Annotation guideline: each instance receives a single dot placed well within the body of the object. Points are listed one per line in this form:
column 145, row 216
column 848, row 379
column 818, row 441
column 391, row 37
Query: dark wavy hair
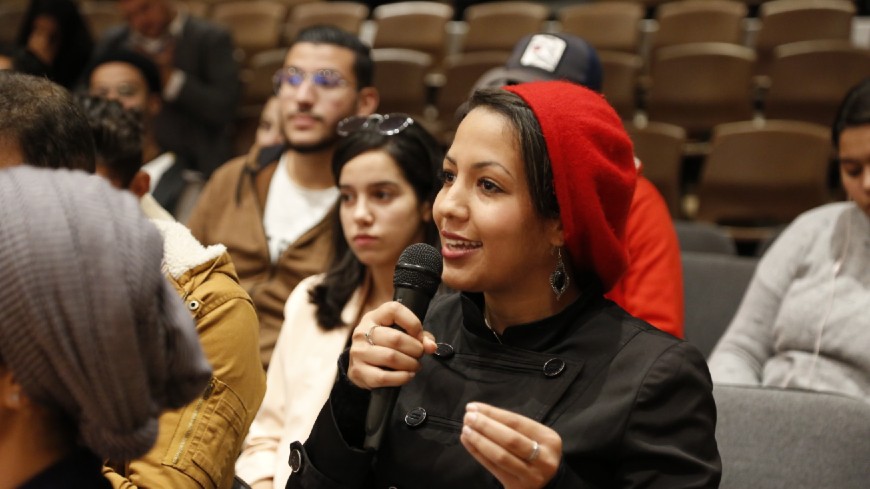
column 419, row 157
column 117, row 136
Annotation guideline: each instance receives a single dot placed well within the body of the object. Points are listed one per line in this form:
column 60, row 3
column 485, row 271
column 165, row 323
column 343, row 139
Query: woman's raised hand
column 520, row 452
column 381, row 356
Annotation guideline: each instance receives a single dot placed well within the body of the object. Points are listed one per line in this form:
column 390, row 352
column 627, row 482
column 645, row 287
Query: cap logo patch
column 544, row 52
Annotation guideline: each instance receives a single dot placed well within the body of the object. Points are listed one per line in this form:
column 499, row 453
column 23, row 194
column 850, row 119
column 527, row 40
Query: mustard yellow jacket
column 197, row 445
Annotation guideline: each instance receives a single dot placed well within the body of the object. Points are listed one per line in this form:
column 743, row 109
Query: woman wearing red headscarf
column 528, row 377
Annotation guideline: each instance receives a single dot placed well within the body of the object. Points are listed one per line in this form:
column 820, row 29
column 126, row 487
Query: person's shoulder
column 639, row 336
column 816, row 220
column 824, row 212
column 229, row 172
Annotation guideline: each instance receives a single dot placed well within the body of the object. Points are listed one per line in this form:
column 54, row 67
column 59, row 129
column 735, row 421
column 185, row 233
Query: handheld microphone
column 415, row 281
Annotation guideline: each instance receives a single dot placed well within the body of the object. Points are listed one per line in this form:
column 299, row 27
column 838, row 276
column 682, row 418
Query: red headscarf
column 593, row 173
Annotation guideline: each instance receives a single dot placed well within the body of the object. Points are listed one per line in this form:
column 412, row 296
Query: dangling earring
column 559, row 279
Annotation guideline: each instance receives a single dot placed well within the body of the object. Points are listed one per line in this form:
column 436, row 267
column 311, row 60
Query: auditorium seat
column 498, row 26
column 256, row 25
column 808, row 79
column 461, row 72
column 11, row 17
column 100, row 16
column 659, row 146
column 773, row 438
column 699, row 85
column 699, row 21
column 400, row 80
column 713, row 286
column 787, row 21
column 620, row 76
column 613, row 25
column 696, row 236
column 764, row 174
column 346, row 15
column 416, row 25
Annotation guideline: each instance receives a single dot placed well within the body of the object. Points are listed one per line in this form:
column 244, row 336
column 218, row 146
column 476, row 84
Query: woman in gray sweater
column 804, row 320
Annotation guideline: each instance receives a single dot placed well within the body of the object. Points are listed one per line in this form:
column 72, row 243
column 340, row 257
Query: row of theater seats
column 768, row 438
column 752, row 173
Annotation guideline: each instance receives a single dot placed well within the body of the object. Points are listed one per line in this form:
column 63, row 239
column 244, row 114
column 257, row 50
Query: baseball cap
column 539, row 57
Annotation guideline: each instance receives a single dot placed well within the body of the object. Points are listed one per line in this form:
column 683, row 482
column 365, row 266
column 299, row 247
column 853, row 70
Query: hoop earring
column 559, row 279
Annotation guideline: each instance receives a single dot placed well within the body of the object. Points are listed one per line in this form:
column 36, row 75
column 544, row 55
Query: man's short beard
column 324, row 144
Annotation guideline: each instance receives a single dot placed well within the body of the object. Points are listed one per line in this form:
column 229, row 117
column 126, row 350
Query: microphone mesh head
column 419, row 266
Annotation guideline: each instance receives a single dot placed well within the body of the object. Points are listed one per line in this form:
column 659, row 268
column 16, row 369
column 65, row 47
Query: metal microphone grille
column 419, row 267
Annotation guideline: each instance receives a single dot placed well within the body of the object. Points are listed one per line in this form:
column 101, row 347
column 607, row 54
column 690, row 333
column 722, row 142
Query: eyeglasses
column 387, row 124
column 294, row 77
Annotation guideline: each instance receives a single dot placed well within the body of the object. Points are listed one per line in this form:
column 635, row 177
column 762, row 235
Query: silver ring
column 536, row 450
column 369, row 335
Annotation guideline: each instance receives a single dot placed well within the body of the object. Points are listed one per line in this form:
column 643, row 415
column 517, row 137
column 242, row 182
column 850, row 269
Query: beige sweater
column 300, row 377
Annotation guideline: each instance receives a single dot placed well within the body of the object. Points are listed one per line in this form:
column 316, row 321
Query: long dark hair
column 419, row 157
column 854, row 110
column 75, row 44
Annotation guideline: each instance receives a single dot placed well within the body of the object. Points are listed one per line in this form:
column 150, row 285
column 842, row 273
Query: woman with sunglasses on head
column 535, row 380
column 386, row 171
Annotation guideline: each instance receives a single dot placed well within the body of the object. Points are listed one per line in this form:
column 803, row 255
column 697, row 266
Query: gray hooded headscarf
column 89, row 325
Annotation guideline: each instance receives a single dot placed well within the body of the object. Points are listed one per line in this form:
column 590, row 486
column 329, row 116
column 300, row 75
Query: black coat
column 633, row 405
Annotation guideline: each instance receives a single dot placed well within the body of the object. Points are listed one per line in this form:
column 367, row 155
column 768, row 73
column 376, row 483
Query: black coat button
column 444, row 351
column 554, row 367
column 415, row 417
column 295, row 460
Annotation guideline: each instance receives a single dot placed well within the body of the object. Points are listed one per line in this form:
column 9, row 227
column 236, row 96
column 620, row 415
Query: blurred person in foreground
column 528, row 377
column 94, row 342
column 803, row 322
column 185, row 455
column 652, row 287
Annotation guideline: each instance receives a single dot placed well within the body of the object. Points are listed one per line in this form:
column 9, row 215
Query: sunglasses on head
column 387, row 124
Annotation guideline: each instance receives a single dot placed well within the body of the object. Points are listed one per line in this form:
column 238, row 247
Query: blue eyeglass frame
column 324, row 78
column 385, row 124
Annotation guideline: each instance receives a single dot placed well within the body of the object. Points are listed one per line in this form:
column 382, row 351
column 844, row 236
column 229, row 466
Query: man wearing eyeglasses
column 271, row 208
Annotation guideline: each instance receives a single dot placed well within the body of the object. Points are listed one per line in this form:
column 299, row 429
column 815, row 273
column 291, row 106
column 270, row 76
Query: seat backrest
column 417, row 25
column 772, row 438
column 659, row 146
column 11, row 17
column 808, row 79
column 764, row 173
column 699, row 21
column 100, row 16
column 612, row 25
column 786, row 21
column 257, row 83
column 400, row 79
column 349, row 16
column 500, row 25
column 256, row 25
column 699, row 85
column 461, row 73
column 713, row 286
column 695, row 236
column 620, row 74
